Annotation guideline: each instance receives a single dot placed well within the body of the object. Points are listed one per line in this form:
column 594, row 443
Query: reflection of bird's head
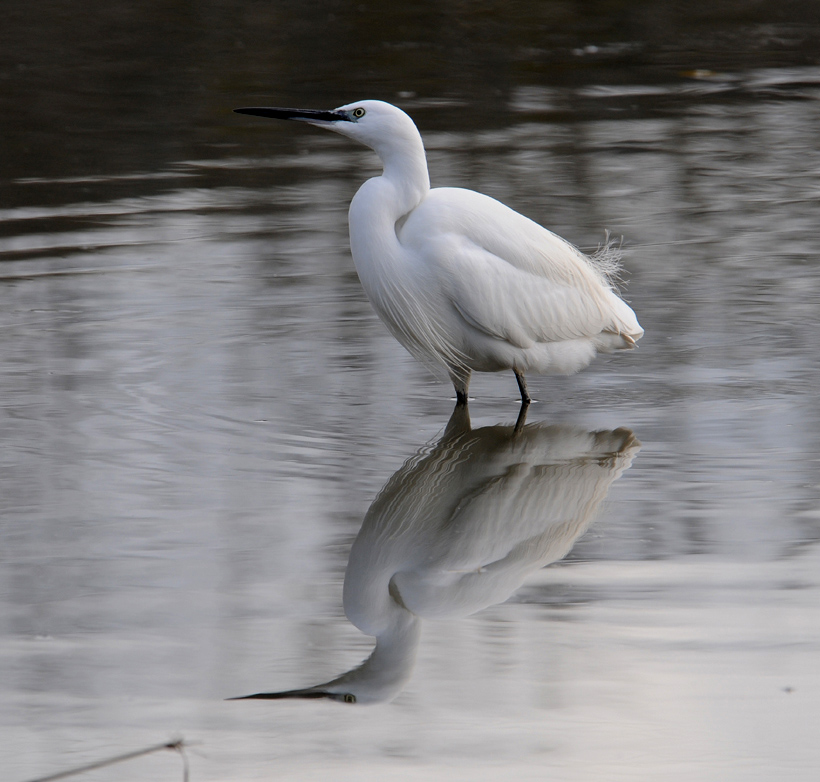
column 320, row 691
column 380, row 678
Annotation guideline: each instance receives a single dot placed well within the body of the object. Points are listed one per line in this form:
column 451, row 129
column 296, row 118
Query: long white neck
column 383, row 675
column 405, row 168
column 376, row 608
column 381, row 202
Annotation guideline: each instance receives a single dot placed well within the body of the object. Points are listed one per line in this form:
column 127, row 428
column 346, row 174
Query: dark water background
column 198, row 406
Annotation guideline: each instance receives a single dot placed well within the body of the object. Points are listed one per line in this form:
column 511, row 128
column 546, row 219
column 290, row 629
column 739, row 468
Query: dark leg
column 459, row 422
column 522, row 417
column 522, row 387
column 461, row 382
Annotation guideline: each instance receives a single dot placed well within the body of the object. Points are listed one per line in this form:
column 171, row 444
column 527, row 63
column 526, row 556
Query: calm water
column 199, row 407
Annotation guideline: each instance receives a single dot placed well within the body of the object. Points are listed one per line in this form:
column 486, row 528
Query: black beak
column 275, row 696
column 308, row 692
column 308, row 115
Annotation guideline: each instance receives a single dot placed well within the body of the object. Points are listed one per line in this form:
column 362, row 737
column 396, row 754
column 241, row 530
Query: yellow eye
column 350, row 697
column 358, row 113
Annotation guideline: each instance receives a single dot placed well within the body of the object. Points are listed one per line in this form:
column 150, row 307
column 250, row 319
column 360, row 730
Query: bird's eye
column 358, row 114
column 350, row 697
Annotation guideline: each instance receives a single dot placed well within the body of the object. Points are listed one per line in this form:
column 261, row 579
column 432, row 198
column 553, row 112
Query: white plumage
column 462, row 281
column 460, row 527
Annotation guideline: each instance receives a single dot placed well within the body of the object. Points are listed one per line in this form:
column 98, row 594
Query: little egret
column 462, row 281
column 460, row 527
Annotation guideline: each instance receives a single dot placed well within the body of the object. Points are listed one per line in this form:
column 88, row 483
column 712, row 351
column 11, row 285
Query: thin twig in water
column 178, row 745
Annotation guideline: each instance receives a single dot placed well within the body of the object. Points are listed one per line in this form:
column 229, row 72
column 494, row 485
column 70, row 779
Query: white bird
column 459, row 527
column 462, row 281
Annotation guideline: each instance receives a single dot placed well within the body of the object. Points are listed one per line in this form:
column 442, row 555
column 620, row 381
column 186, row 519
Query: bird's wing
column 509, row 277
column 510, row 304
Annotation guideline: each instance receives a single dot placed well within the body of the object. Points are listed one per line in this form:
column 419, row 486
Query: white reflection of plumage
column 459, row 527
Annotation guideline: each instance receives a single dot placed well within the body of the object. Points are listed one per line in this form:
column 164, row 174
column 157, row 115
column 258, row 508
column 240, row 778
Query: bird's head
column 374, row 123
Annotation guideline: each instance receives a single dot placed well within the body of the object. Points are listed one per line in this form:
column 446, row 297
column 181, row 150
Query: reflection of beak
column 308, row 692
column 306, row 115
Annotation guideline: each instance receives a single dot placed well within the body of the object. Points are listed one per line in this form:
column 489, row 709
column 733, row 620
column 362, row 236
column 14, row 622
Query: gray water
column 199, row 406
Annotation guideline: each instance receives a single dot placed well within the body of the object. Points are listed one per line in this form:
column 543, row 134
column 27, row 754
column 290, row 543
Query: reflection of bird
column 462, row 281
column 458, row 528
